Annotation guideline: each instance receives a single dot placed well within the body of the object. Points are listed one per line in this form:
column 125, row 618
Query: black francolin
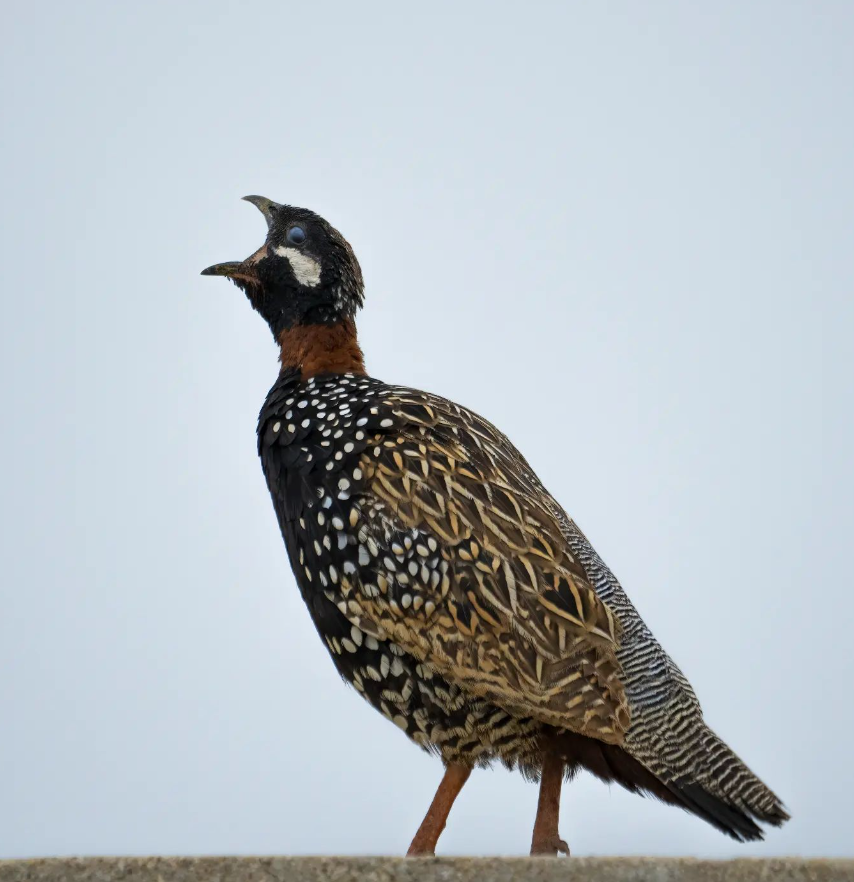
column 453, row 592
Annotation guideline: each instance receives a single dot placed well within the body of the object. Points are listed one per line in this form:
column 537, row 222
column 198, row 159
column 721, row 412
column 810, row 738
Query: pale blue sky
column 621, row 231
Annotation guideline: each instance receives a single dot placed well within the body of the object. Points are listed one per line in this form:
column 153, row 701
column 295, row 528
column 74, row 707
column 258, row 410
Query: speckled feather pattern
column 459, row 599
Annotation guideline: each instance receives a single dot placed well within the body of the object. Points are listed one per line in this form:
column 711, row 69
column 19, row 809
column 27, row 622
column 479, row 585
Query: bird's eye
column 296, row 235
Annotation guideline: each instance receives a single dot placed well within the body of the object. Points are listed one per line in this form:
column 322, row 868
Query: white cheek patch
column 306, row 269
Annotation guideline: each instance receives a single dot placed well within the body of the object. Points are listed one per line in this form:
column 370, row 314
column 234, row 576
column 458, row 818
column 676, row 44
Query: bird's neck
column 321, row 349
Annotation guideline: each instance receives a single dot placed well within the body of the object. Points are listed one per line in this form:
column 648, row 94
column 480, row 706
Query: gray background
column 622, row 231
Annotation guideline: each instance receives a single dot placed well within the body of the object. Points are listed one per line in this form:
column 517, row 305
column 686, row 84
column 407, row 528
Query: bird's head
column 305, row 273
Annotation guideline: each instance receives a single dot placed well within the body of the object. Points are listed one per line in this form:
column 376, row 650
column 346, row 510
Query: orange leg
column 546, row 839
column 434, row 821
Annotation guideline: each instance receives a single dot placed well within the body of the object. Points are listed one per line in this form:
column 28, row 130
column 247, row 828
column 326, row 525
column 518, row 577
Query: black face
column 305, row 273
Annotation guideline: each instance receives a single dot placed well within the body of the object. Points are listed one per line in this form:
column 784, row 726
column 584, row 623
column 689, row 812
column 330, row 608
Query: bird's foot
column 552, row 845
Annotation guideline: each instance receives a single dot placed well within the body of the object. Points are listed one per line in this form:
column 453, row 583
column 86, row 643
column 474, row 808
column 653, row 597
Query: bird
column 452, row 591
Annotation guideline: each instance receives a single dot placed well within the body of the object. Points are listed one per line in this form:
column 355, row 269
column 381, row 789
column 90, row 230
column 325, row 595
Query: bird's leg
column 546, row 839
column 434, row 821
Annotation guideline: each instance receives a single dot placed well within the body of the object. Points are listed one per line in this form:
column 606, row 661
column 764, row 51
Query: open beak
column 230, row 269
column 238, row 270
column 243, row 270
column 266, row 206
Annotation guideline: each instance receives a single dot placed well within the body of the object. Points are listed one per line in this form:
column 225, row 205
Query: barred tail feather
column 719, row 787
column 724, row 792
column 712, row 809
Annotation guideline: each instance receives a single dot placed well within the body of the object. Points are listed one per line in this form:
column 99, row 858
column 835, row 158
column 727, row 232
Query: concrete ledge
column 383, row 869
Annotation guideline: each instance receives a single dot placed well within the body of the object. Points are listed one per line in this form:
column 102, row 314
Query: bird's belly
column 434, row 713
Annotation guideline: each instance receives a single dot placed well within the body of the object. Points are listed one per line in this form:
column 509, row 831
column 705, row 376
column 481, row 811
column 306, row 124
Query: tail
column 713, row 783
column 716, row 785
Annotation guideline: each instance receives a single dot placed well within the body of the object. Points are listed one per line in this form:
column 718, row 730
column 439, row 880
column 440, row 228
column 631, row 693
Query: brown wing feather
column 472, row 575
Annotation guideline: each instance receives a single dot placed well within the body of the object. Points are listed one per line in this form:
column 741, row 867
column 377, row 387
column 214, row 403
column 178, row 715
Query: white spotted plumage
column 349, row 424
